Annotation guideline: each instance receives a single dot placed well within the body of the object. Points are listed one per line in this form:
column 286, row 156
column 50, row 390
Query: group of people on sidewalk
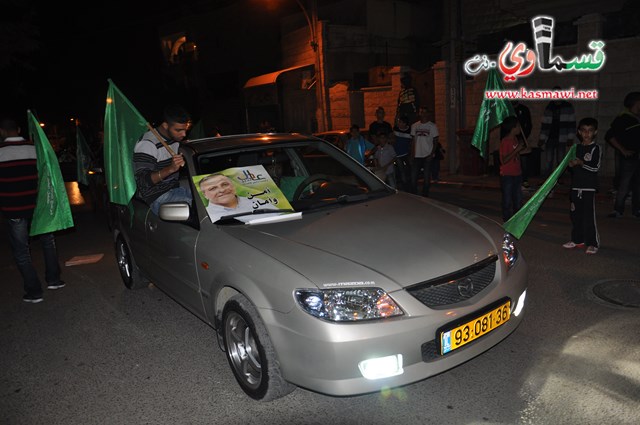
column 557, row 134
column 402, row 153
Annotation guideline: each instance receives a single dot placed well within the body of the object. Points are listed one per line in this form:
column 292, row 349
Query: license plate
column 474, row 328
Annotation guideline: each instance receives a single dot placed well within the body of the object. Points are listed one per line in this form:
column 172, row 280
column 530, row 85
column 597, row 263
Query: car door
column 171, row 253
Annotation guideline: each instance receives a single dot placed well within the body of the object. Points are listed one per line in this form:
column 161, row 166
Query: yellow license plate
column 475, row 328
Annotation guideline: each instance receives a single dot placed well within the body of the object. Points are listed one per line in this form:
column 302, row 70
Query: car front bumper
column 324, row 356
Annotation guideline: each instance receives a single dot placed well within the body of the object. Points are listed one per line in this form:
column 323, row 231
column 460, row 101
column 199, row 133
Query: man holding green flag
column 123, row 126
column 518, row 223
column 28, row 183
column 492, row 112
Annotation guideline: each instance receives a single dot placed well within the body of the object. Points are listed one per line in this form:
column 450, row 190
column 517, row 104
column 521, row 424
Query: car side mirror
column 175, row 211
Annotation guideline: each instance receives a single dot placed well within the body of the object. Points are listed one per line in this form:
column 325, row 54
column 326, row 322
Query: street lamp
column 312, row 25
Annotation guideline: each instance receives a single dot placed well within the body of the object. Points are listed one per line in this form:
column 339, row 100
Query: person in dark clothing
column 557, row 132
column 379, row 125
column 18, row 195
column 624, row 136
column 584, row 184
column 408, row 102
column 524, row 118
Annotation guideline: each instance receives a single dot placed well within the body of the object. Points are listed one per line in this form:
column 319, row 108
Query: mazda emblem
column 465, row 287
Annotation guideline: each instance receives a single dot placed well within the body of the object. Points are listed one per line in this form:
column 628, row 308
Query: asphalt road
column 96, row 353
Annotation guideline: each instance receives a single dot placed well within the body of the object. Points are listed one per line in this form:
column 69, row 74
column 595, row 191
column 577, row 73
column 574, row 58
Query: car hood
column 392, row 242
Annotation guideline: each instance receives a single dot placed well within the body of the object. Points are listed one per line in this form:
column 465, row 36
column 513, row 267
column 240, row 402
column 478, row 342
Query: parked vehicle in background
column 339, row 138
column 301, row 282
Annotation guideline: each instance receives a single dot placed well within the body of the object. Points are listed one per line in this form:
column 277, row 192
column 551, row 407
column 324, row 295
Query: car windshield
column 301, row 176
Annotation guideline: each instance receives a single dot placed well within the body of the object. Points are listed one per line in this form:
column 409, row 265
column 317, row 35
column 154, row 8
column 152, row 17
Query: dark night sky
column 77, row 48
column 63, row 53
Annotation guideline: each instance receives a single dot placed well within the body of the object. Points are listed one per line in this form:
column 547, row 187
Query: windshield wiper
column 342, row 199
column 232, row 217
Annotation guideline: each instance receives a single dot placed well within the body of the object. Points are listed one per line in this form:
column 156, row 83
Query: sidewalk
column 492, row 182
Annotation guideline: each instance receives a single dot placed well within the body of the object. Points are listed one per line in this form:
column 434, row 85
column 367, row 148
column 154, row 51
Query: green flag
column 53, row 211
column 520, row 220
column 83, row 158
column 123, row 126
column 492, row 112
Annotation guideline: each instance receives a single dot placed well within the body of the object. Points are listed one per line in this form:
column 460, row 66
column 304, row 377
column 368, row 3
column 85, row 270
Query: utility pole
column 312, row 21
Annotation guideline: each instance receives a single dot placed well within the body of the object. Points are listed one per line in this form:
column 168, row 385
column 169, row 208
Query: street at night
column 320, row 212
column 96, row 352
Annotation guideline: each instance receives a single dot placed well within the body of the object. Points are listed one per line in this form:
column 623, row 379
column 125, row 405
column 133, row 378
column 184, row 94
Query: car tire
column 250, row 352
column 129, row 272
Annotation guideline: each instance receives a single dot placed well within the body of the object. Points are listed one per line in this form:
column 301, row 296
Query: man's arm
column 612, row 135
column 436, row 140
column 506, row 157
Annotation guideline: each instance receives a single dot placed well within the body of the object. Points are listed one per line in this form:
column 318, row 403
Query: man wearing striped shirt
column 156, row 170
column 18, row 194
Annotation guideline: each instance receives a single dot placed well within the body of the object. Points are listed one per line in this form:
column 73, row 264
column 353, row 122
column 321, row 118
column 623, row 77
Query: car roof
column 344, row 131
column 212, row 144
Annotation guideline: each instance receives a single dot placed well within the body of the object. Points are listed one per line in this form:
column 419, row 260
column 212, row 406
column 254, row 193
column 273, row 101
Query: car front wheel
column 128, row 269
column 250, row 352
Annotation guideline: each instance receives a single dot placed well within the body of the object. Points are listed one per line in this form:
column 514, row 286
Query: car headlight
column 509, row 251
column 347, row 305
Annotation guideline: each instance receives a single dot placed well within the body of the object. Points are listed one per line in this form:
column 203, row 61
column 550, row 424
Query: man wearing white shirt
column 424, row 135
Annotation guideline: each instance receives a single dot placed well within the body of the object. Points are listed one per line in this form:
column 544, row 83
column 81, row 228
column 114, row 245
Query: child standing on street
column 385, row 156
column 510, row 170
column 584, row 184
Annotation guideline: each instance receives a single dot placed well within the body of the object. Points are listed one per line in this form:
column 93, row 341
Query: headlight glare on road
column 347, row 305
column 509, row 251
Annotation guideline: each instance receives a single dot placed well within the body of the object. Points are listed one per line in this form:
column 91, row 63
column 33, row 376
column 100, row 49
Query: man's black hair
column 507, row 125
column 631, row 99
column 354, row 127
column 588, row 121
column 175, row 114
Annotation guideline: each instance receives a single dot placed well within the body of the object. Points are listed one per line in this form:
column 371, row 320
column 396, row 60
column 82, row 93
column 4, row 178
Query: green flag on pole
column 53, row 211
column 517, row 224
column 492, row 112
column 83, row 158
column 123, row 126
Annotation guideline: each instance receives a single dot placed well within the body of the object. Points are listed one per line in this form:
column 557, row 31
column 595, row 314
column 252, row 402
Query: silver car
column 328, row 279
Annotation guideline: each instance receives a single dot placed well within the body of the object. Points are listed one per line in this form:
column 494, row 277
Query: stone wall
column 340, row 107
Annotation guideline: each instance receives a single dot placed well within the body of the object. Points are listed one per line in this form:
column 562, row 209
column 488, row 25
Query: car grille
column 429, row 351
column 457, row 286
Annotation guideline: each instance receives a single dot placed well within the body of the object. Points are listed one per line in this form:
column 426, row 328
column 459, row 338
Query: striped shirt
column 564, row 124
column 150, row 156
column 18, row 178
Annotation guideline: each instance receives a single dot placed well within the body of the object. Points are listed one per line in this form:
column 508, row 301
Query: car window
column 305, row 172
